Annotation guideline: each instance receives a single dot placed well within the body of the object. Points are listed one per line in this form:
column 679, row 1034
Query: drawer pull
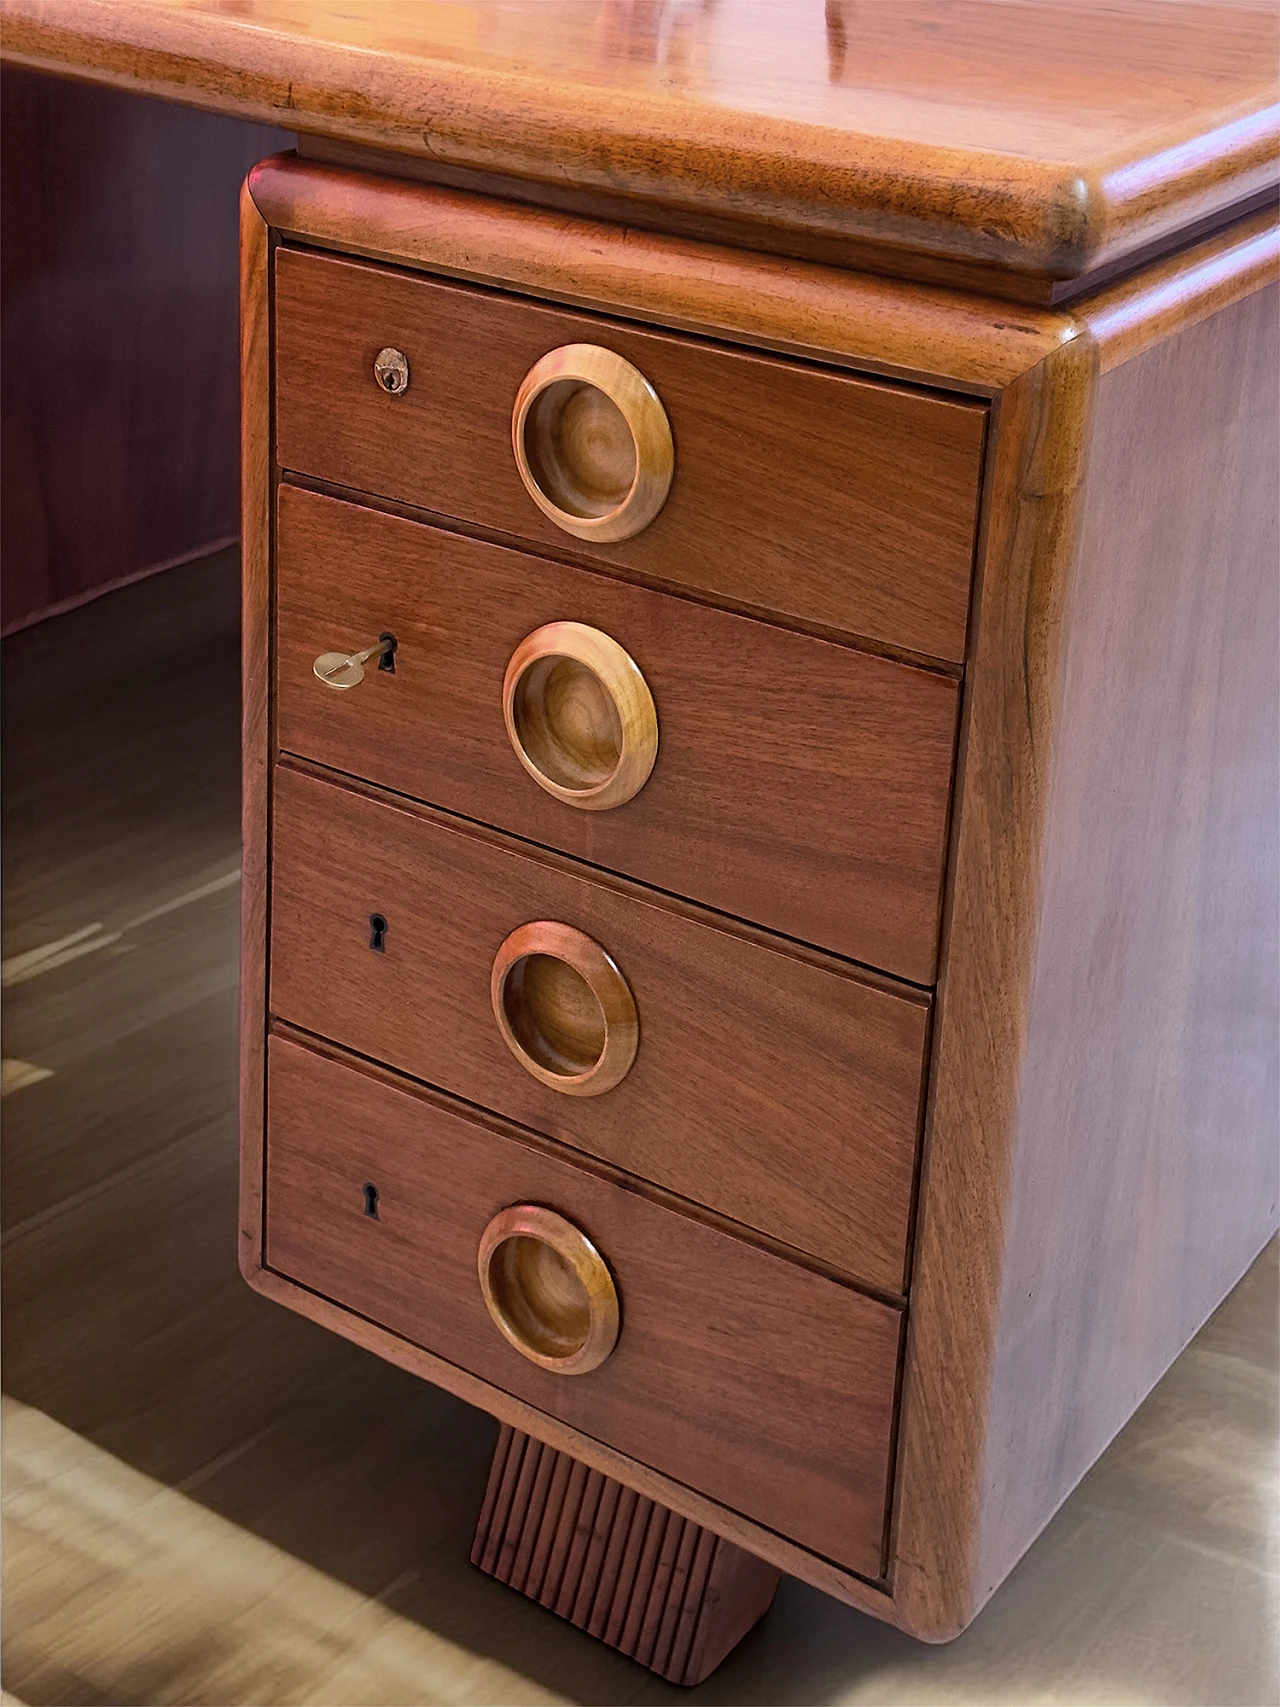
column 580, row 716
column 592, row 443
column 346, row 669
column 565, row 1011
column 548, row 1289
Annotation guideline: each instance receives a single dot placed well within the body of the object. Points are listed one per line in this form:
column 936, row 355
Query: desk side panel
column 1098, row 1158
column 1145, row 1171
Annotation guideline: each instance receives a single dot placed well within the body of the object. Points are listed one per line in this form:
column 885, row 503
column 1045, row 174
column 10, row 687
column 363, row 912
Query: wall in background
column 118, row 337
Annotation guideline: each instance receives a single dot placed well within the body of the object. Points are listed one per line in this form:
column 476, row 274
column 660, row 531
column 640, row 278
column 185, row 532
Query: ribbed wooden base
column 655, row 1586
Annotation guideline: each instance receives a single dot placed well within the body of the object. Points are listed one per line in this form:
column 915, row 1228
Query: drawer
column 841, row 502
column 756, row 1382
column 798, row 783
column 775, row 1088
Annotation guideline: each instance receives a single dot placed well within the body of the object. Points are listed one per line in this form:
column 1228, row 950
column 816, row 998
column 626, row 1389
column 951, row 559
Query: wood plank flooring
column 207, row 1500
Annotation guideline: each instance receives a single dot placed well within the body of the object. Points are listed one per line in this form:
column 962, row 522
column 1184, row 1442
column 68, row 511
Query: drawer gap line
column 330, row 1049
column 811, row 953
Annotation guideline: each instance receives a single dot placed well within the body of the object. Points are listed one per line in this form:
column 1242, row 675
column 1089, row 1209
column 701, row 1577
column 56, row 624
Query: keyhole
column 371, row 1200
column 377, row 933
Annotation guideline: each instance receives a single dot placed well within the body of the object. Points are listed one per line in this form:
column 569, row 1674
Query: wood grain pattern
column 798, row 783
column 662, row 1590
column 864, row 321
column 847, row 253
column 1099, row 1158
column 937, row 337
column 766, row 1386
column 988, row 955
column 1174, row 295
column 867, row 492
column 974, row 1483
column 124, row 1314
column 1155, row 998
column 1039, row 140
column 782, row 1092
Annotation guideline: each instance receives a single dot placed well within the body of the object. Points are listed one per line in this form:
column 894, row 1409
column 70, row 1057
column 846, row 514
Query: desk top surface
column 1051, row 138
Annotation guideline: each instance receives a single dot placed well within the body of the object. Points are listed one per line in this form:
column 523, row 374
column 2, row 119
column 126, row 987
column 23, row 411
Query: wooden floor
column 208, row 1500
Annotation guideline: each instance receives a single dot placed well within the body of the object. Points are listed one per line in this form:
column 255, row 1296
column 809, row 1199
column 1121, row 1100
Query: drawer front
column 798, row 783
column 781, row 1093
column 760, row 1384
column 838, row 501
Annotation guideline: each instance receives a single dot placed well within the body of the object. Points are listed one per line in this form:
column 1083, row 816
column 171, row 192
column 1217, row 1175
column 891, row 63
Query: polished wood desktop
column 1020, row 147
column 759, row 934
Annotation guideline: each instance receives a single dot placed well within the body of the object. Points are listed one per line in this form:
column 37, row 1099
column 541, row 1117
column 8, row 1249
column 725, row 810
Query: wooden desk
column 767, row 983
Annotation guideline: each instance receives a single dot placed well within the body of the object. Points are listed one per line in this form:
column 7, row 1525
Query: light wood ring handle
column 564, row 1009
column 548, row 1289
column 580, row 716
column 592, row 443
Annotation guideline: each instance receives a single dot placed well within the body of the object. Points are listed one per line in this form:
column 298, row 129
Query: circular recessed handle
column 580, row 716
column 592, row 442
column 548, row 1289
column 565, row 1011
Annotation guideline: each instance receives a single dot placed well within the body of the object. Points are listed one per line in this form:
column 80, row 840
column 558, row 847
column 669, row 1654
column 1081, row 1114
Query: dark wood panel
column 799, row 783
column 783, row 1093
column 830, row 499
column 119, row 336
column 761, row 1384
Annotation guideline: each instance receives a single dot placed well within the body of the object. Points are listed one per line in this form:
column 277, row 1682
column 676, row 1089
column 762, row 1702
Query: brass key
column 346, row 669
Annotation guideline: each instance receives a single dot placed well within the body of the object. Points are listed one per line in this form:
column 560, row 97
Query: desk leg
column 657, row 1587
